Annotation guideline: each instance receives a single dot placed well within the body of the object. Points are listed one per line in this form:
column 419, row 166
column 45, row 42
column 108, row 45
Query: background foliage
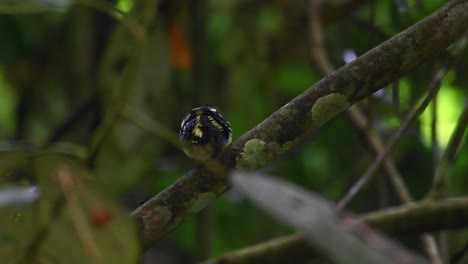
column 249, row 58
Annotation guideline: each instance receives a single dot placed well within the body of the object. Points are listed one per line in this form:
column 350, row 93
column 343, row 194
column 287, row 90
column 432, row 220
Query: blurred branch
column 198, row 10
column 413, row 218
column 150, row 125
column 73, row 119
column 145, row 12
column 420, row 217
column 201, row 51
column 318, row 54
column 307, row 112
column 68, row 183
column 204, row 233
column 292, row 249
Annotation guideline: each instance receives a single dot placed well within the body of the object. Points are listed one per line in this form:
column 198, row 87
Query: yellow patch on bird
column 196, row 130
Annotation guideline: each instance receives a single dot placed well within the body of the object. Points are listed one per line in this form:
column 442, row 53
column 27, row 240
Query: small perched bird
column 204, row 132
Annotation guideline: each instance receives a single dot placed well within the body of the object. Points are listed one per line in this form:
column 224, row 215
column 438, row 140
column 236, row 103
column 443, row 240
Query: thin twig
column 316, row 38
column 435, row 86
column 73, row 120
column 375, row 143
column 434, row 139
column 151, row 126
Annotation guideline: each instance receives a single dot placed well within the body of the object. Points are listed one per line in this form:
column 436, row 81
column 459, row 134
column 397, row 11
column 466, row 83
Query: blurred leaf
column 125, row 5
column 33, row 6
column 270, row 20
column 73, row 221
column 221, row 21
column 317, row 220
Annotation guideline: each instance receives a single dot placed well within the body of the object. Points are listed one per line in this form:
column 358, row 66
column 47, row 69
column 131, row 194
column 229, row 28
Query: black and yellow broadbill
column 204, row 132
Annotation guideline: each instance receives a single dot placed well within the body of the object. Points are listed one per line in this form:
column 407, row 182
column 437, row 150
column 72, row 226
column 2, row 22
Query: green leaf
column 73, row 221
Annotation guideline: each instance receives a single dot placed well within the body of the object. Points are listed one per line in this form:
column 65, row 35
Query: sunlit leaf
column 125, row 5
column 449, row 107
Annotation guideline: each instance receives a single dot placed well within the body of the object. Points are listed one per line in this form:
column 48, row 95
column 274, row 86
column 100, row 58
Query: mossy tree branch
column 307, row 112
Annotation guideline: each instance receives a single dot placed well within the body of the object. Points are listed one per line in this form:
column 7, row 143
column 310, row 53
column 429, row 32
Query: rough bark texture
column 307, row 112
